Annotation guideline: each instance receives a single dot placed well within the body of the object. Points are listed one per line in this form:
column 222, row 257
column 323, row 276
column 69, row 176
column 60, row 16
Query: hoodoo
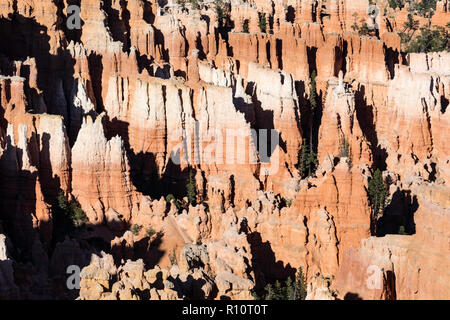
column 224, row 149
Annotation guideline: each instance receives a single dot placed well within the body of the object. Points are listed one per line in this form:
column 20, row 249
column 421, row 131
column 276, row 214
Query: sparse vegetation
column 173, row 257
column 362, row 30
column 286, row 290
column 262, row 23
column 150, row 232
column 222, row 11
column 245, row 27
column 402, row 231
column 300, row 285
column 288, row 202
column 394, row 4
column 135, row 229
column 313, row 105
column 430, row 39
column 182, row 3
column 191, row 188
column 409, row 29
column 307, row 161
column 68, row 217
column 313, row 92
column 307, row 158
column 72, row 210
column 345, row 151
column 421, row 7
column 170, row 197
column 195, row 4
column 378, row 193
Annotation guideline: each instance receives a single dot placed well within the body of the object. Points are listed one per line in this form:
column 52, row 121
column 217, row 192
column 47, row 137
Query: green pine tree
column 307, row 161
column 345, row 151
column 300, row 285
column 191, row 189
column 311, row 163
column 313, row 105
column 262, row 23
column 290, row 290
column 378, row 194
column 72, row 210
column 429, row 39
column 286, row 290
column 245, row 27
column 195, row 4
column 171, row 197
column 310, row 157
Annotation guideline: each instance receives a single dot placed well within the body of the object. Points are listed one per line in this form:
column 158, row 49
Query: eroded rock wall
column 145, row 100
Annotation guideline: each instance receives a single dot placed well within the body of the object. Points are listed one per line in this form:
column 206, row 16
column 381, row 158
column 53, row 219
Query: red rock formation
column 100, row 176
column 144, row 98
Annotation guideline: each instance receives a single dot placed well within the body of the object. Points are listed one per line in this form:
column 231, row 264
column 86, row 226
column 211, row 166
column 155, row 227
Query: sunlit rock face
column 219, row 149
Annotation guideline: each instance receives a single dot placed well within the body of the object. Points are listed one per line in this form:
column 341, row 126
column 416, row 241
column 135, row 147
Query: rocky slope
column 119, row 114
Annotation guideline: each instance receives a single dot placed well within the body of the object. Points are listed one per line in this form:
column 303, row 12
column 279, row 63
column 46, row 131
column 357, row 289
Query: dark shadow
column 290, row 14
column 148, row 249
column 268, row 55
column 232, row 191
column 391, row 59
column 264, row 121
column 22, row 37
column 310, row 120
column 159, row 44
column 312, row 54
column 271, row 22
column 19, row 192
column 71, row 35
column 199, row 46
column 246, row 26
column 444, row 104
column 365, row 116
column 324, row 13
column 95, row 72
column 266, row 268
column 50, row 184
column 352, row 296
column 390, row 287
column 191, row 289
column 116, row 23
column 18, row 201
column 125, row 17
column 431, row 169
column 301, row 108
column 314, row 11
column 340, row 59
column 149, row 17
column 398, row 217
column 279, row 50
